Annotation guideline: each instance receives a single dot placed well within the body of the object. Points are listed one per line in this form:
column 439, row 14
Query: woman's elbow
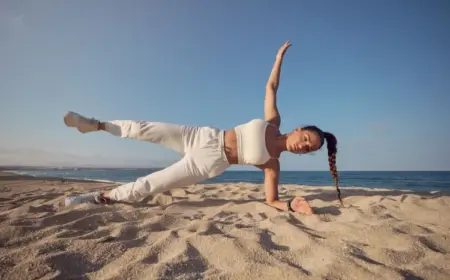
column 271, row 87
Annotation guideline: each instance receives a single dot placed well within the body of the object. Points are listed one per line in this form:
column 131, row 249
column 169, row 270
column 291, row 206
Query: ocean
column 404, row 180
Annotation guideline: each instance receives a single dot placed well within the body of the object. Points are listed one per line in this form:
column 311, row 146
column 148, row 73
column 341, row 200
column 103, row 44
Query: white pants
column 203, row 156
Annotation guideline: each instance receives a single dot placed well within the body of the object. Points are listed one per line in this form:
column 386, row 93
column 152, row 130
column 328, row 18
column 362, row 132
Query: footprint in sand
column 436, row 243
column 259, row 217
column 98, row 234
column 184, row 261
column 408, row 228
column 5, row 189
column 42, row 209
column 51, row 247
column 408, row 257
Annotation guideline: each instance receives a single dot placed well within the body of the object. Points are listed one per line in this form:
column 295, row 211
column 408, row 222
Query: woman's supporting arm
column 271, row 181
column 271, row 178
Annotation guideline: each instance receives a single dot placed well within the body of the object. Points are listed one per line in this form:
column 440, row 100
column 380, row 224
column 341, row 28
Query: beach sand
column 220, row 231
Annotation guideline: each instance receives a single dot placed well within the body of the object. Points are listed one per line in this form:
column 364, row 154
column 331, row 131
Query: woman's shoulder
column 259, row 121
column 269, row 127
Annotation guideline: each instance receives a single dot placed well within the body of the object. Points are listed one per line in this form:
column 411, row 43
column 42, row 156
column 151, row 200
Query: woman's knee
column 180, row 174
column 210, row 162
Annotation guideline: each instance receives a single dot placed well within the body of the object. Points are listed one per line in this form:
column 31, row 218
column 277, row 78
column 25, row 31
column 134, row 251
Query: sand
column 220, row 231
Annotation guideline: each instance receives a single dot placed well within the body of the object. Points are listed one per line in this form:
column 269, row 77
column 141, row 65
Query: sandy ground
column 221, row 231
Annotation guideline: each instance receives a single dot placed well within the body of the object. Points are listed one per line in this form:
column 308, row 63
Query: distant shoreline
column 11, row 173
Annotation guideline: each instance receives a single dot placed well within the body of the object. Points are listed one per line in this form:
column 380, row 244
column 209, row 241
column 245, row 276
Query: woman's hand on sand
column 283, row 49
column 300, row 205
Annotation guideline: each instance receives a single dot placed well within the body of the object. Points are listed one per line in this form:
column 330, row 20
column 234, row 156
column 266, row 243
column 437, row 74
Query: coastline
column 220, row 231
column 53, row 178
column 419, row 182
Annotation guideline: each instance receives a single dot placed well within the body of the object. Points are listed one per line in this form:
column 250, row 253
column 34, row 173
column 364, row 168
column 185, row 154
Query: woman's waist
column 230, row 146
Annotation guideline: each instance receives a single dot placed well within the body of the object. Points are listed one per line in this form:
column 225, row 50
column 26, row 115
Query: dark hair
column 332, row 151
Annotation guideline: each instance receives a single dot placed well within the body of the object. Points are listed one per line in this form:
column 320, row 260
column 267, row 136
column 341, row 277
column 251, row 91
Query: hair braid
column 332, row 151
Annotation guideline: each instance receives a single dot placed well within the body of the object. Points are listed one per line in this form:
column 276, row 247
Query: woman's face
column 302, row 141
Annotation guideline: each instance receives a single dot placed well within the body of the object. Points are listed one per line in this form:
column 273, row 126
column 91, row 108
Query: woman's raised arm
column 271, row 113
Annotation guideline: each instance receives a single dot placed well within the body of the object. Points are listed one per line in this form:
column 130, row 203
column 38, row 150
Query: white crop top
column 251, row 142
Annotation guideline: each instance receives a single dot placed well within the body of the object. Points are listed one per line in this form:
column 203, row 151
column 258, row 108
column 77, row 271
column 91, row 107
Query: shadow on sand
column 331, row 195
column 325, row 195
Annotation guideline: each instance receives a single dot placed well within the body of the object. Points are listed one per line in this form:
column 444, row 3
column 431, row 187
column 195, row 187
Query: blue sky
column 375, row 73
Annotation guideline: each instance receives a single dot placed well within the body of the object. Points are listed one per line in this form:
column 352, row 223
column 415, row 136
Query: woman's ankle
column 106, row 195
column 101, row 126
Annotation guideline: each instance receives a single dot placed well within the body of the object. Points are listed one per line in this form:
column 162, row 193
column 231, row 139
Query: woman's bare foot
column 93, row 197
column 80, row 122
column 102, row 198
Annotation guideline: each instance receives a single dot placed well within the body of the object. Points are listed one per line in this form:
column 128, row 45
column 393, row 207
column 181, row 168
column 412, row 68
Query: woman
column 208, row 152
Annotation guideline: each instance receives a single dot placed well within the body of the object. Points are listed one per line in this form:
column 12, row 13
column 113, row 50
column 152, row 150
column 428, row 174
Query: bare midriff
column 230, row 146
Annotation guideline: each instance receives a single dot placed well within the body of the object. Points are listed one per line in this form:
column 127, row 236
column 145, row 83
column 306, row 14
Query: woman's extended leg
column 203, row 148
column 187, row 171
column 173, row 136
column 184, row 172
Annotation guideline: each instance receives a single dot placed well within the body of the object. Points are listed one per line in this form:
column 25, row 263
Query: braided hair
column 332, row 151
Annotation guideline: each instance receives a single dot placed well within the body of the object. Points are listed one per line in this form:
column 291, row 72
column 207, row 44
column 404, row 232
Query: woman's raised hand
column 283, row 49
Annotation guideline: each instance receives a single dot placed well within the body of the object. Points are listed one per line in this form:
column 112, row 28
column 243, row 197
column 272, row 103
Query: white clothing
column 251, row 142
column 202, row 147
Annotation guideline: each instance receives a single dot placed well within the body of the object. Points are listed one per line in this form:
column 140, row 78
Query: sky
column 374, row 73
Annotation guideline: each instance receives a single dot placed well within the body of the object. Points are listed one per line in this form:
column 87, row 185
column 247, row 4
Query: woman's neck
column 281, row 143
